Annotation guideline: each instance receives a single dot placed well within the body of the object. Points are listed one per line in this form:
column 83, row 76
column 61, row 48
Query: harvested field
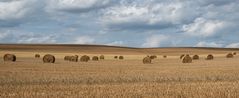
column 170, row 78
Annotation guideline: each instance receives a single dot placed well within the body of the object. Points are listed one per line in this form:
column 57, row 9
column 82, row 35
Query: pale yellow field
column 165, row 78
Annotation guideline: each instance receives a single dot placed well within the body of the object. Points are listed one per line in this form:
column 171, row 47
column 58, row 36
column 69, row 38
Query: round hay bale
column 116, row 57
column 234, row 53
column 88, row 57
column 77, row 56
column 147, row 60
column 70, row 58
column 95, row 58
column 67, row 58
column 85, row 58
column 153, row 57
column 181, row 57
column 230, row 55
column 187, row 59
column 37, row 56
column 195, row 57
column 210, row 57
column 74, row 58
column 102, row 57
column 9, row 58
column 121, row 57
column 48, row 58
column 165, row 56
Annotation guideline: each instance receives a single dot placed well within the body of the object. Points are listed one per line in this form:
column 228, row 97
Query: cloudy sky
column 134, row 23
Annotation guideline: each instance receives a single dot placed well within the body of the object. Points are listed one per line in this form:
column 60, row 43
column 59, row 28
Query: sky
column 132, row 23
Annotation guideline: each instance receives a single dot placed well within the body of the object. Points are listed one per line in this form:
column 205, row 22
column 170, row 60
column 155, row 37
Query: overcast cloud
column 134, row 23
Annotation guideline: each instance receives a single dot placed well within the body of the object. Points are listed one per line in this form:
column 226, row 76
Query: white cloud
column 203, row 27
column 35, row 38
column 3, row 35
column 233, row 45
column 116, row 43
column 206, row 20
column 149, row 14
column 45, row 39
column 10, row 36
column 16, row 9
column 76, row 5
column 208, row 44
column 125, row 14
column 84, row 40
column 154, row 41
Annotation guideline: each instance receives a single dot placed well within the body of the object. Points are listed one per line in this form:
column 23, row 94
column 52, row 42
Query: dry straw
column 102, row 57
column 153, row 57
column 165, row 56
column 147, row 60
column 121, row 57
column 67, row 58
column 9, row 58
column 85, row 58
column 234, row 53
column 181, row 57
column 187, row 59
column 210, row 57
column 48, row 58
column 229, row 55
column 74, row 58
column 95, row 58
column 195, row 57
column 37, row 56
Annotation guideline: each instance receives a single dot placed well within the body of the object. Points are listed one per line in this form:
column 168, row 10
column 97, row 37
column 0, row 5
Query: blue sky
column 134, row 23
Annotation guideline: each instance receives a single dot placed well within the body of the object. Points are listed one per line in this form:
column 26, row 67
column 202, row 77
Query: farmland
column 165, row 77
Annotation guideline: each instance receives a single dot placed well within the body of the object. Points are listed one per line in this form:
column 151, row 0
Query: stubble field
column 165, row 77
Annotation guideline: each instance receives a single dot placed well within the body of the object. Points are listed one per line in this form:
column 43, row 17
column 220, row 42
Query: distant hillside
column 109, row 49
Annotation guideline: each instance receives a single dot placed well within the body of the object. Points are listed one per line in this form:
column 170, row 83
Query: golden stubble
column 165, row 77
